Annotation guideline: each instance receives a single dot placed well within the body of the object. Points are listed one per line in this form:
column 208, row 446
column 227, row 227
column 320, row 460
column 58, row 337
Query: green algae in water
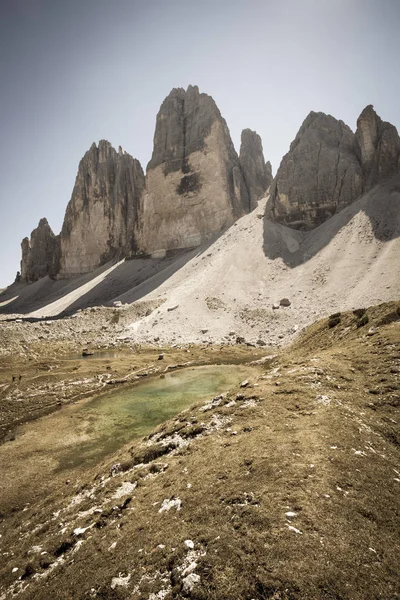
column 109, row 421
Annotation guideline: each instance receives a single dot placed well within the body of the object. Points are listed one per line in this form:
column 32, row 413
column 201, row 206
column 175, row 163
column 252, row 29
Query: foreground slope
column 285, row 489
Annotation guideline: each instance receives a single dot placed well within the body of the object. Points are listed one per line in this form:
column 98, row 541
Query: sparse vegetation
column 359, row 312
column 334, row 320
column 293, row 496
column 363, row 320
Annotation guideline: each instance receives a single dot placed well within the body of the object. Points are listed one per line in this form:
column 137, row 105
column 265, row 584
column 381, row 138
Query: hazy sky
column 76, row 71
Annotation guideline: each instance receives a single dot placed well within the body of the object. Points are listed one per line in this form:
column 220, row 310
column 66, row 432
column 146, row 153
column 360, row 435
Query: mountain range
column 211, row 233
column 196, row 185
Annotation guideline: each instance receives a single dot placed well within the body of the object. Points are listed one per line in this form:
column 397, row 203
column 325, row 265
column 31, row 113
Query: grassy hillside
column 286, row 488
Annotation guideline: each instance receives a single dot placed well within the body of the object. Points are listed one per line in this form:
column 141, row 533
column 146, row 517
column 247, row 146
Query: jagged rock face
column 328, row 167
column 257, row 174
column 40, row 253
column 319, row 174
column 378, row 146
column 194, row 183
column 102, row 214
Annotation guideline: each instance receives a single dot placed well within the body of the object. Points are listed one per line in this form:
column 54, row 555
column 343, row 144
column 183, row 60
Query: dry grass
column 316, row 436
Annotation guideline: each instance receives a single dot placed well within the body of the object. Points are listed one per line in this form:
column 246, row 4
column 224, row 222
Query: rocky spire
column 378, row 147
column 328, row 167
column 194, row 186
column 102, row 214
column 40, row 253
column 320, row 174
column 257, row 173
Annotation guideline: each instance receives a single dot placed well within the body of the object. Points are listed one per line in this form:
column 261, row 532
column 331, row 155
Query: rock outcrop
column 194, row 182
column 319, row 174
column 102, row 215
column 378, row 146
column 40, row 253
column 328, row 167
column 196, row 185
column 257, row 174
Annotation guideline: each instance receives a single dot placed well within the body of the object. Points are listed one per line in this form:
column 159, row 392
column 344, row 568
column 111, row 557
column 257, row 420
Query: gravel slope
column 227, row 288
column 352, row 260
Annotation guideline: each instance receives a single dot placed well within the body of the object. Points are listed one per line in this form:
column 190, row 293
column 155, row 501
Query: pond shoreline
column 49, row 383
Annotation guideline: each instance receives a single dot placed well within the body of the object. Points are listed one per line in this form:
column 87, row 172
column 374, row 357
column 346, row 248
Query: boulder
column 285, row 302
column 171, row 308
column 87, row 352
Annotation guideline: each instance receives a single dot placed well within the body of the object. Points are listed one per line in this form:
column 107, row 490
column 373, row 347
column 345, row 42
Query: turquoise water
column 104, row 424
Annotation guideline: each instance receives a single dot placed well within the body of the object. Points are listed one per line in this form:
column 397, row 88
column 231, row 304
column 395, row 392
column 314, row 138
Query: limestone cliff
column 194, row 182
column 318, row 175
column 40, row 253
column 328, row 167
column 378, row 146
column 102, row 214
column 256, row 172
column 196, row 185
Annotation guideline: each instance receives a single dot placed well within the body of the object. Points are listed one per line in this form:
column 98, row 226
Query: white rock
column 80, row 530
column 120, row 581
column 294, row 529
column 170, row 503
column 190, row 581
column 126, row 488
column 189, row 544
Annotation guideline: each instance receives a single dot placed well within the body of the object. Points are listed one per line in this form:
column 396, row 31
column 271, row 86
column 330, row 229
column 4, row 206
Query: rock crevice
column 257, row 173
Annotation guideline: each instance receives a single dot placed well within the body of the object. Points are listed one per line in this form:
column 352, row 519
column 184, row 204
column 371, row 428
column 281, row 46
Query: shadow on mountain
column 126, row 281
column 381, row 205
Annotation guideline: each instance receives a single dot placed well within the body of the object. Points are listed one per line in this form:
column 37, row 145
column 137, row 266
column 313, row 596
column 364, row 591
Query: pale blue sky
column 73, row 72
